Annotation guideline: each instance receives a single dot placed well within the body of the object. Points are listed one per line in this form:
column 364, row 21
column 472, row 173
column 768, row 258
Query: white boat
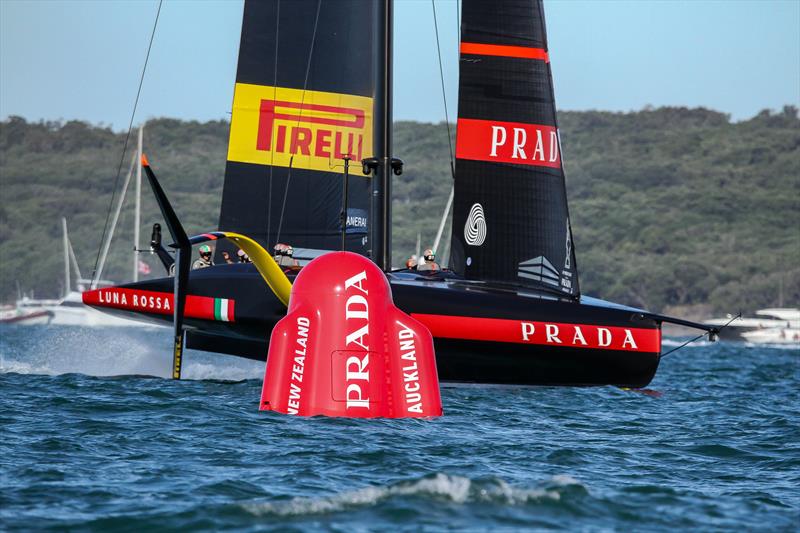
column 774, row 325
column 13, row 315
column 773, row 336
column 781, row 313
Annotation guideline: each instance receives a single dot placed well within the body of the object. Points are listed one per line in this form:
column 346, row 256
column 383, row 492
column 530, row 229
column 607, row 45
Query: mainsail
column 303, row 100
column 510, row 217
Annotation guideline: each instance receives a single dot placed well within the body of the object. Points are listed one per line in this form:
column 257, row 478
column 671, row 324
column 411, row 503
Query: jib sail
column 510, row 217
column 303, row 100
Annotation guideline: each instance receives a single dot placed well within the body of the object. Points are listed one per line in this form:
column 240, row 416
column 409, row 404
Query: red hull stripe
column 543, row 333
column 155, row 302
column 501, row 50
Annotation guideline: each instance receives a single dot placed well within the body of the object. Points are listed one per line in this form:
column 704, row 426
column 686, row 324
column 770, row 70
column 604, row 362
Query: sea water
column 94, row 437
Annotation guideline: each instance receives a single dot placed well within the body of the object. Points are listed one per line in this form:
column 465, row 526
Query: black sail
column 303, row 100
column 510, row 217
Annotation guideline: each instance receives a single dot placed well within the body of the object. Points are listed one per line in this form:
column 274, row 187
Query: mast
column 137, row 210
column 380, row 230
column 67, row 287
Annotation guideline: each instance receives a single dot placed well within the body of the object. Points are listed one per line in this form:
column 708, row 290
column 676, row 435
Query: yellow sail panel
column 310, row 130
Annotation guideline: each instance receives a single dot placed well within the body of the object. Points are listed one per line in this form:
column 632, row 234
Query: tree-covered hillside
column 670, row 206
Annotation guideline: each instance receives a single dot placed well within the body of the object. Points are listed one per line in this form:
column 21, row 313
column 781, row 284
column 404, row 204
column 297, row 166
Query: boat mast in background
column 107, row 244
column 99, row 275
column 67, row 280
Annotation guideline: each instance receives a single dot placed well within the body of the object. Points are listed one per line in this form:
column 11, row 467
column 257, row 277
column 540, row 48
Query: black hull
column 452, row 309
column 488, row 362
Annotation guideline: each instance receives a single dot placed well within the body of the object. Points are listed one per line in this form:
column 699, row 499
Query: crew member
column 227, row 257
column 284, row 255
column 430, row 261
column 243, row 257
column 205, row 258
column 411, row 262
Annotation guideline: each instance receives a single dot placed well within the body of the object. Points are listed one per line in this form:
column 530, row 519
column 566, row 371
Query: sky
column 64, row 59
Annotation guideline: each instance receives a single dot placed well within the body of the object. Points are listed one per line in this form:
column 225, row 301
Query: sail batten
column 511, row 220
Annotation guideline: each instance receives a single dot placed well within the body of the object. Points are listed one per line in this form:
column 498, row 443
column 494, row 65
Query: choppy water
column 88, row 441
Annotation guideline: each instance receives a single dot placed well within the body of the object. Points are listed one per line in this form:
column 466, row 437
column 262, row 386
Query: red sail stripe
column 502, row 50
column 543, row 333
column 507, row 142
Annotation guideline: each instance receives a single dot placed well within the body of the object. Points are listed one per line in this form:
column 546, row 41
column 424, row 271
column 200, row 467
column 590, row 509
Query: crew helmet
column 283, row 249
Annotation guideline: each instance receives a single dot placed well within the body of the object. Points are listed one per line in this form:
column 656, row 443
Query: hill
column 670, row 206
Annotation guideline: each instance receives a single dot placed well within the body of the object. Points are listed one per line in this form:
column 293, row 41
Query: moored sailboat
column 313, row 88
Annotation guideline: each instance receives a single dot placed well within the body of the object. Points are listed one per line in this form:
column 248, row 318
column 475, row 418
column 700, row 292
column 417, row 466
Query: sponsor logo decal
column 539, row 269
column 357, row 221
column 543, row 333
column 303, row 129
column 542, row 270
column 568, row 258
column 508, row 142
column 475, row 228
column 566, row 274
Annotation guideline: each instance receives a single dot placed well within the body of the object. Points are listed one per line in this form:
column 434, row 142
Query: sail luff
column 572, row 256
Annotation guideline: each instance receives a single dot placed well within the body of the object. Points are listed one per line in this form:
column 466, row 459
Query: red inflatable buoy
column 344, row 349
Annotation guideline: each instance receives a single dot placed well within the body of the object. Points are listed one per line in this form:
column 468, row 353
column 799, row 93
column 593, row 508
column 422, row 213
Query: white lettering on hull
column 298, row 365
column 410, row 372
column 134, row 301
column 560, row 334
column 357, row 367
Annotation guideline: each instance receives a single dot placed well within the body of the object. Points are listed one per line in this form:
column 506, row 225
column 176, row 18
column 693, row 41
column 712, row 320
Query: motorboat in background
column 771, row 326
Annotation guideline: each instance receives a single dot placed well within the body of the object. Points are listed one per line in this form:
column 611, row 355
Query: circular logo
column 475, row 228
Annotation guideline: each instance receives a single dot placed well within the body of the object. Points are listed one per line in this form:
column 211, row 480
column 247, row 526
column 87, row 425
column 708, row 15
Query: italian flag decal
column 223, row 309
